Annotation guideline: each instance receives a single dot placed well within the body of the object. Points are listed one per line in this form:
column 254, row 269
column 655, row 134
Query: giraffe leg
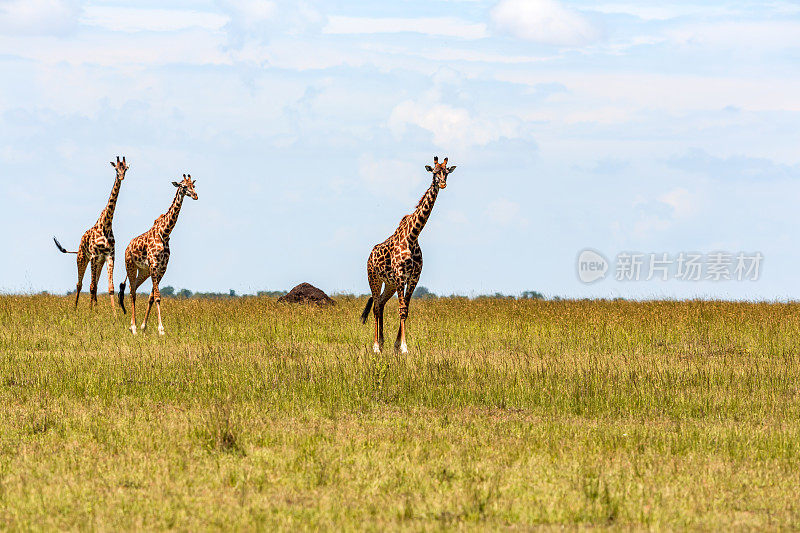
column 97, row 266
column 400, row 342
column 388, row 292
column 149, row 307
column 111, row 280
column 133, row 277
column 83, row 262
column 375, row 285
column 161, row 330
column 401, row 334
column 157, row 294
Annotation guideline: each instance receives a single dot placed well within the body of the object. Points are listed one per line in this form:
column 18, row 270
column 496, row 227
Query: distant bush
column 495, row 296
column 423, row 292
column 271, row 294
column 532, row 295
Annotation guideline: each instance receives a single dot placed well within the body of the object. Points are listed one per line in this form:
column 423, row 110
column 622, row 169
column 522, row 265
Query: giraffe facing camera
column 440, row 171
column 394, row 266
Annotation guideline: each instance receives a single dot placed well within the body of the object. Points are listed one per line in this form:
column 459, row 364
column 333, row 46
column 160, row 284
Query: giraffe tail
column 365, row 314
column 122, row 295
column 61, row 248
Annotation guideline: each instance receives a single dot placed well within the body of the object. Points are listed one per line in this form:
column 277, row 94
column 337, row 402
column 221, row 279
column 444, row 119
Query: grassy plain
column 252, row 414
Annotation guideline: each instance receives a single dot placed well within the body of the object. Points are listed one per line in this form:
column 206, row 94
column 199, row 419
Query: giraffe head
column 440, row 171
column 121, row 167
column 186, row 186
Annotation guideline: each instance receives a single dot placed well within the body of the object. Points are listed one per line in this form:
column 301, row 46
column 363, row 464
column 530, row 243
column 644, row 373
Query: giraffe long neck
column 171, row 216
column 108, row 213
column 420, row 215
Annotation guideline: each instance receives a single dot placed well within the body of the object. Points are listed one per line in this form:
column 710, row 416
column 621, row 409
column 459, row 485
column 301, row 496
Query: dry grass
column 254, row 414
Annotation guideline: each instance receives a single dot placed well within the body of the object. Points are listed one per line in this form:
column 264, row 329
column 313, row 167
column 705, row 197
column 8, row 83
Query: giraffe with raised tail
column 148, row 254
column 396, row 263
column 97, row 244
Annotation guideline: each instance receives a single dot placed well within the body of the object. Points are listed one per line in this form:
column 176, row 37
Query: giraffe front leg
column 412, row 284
column 157, row 294
column 111, row 281
column 400, row 342
column 149, row 307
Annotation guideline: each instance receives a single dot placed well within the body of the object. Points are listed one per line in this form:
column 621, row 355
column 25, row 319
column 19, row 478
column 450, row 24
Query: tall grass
column 251, row 413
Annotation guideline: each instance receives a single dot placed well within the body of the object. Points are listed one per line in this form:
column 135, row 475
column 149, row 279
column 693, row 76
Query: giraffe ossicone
column 395, row 265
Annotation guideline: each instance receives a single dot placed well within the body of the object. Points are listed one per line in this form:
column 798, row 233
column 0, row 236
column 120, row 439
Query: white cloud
column 616, row 95
column 248, row 14
column 444, row 26
column 543, row 21
column 746, row 36
column 161, row 48
column 682, row 202
column 452, row 127
column 136, row 19
column 661, row 11
column 38, row 17
column 671, row 10
column 264, row 19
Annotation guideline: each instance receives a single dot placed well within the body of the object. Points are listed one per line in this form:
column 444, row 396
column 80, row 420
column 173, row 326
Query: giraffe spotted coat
column 148, row 254
column 396, row 264
column 97, row 243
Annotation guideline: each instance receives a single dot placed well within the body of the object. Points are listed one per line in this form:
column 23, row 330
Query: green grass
column 253, row 414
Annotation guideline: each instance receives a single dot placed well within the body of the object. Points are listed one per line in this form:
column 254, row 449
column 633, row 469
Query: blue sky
column 618, row 126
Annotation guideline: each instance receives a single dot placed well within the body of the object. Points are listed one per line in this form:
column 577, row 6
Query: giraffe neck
column 108, row 213
column 171, row 216
column 420, row 215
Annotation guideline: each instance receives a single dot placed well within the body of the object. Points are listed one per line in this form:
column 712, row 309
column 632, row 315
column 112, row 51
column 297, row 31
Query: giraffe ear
column 113, row 165
column 428, row 168
column 175, row 183
column 449, row 170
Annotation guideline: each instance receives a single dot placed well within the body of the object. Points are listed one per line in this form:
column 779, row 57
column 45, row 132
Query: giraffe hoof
column 133, row 329
column 403, row 348
column 161, row 331
column 376, row 348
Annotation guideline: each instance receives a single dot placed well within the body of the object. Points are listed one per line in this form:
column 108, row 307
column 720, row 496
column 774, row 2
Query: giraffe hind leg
column 97, row 266
column 136, row 280
column 83, row 262
column 375, row 284
column 388, row 292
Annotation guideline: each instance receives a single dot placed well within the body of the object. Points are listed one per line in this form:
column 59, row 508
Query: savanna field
column 253, row 414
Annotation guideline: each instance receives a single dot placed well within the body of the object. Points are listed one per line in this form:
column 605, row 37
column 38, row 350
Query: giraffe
column 396, row 263
column 97, row 244
column 148, row 255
